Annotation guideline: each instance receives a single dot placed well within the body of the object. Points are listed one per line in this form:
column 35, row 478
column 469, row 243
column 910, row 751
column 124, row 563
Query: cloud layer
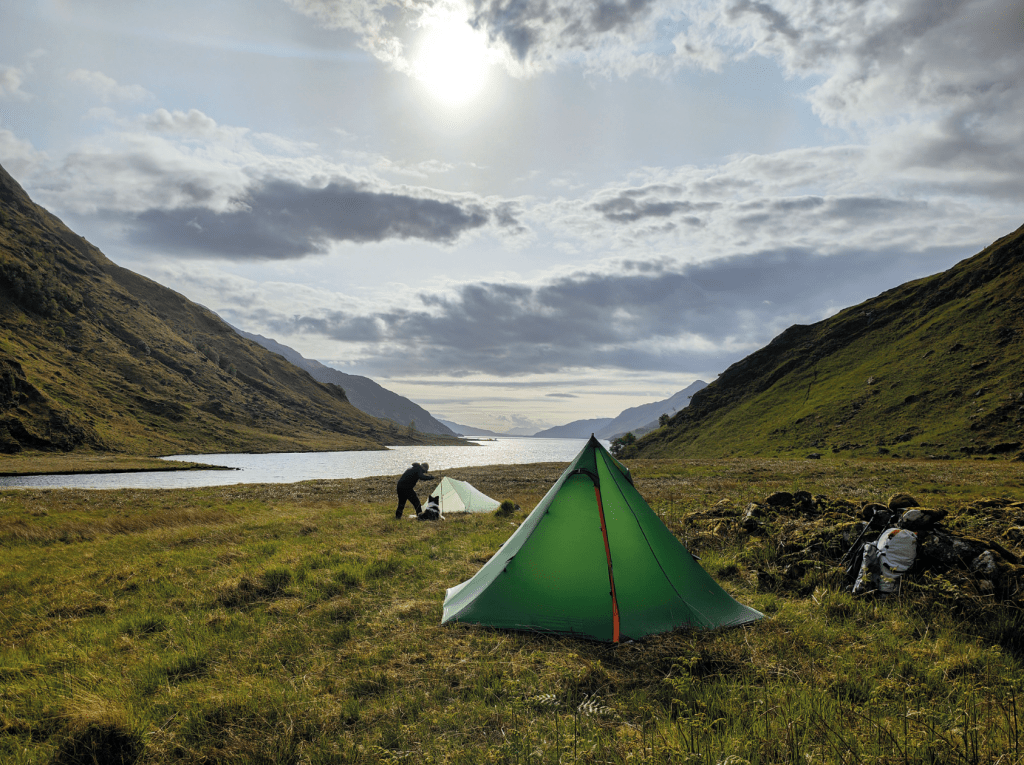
column 937, row 86
column 282, row 219
column 634, row 316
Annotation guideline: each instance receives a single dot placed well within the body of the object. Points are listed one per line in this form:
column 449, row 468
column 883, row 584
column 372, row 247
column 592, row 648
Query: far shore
column 25, row 466
column 29, row 464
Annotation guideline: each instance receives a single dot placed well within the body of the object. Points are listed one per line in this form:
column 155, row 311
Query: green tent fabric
column 593, row 559
column 461, row 497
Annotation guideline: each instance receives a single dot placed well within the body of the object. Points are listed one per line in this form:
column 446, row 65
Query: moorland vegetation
column 300, row 624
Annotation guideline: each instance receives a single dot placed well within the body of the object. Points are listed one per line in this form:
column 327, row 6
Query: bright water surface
column 292, row 467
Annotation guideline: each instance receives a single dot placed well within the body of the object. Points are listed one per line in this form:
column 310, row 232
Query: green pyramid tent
column 593, row 559
column 461, row 497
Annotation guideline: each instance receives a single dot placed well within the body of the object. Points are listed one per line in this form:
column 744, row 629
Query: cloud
column 192, row 123
column 821, row 199
column 283, row 219
column 937, row 86
column 538, row 32
column 526, row 36
column 179, row 182
column 930, row 86
column 637, row 317
column 18, row 157
column 107, row 88
column 11, row 79
column 632, row 205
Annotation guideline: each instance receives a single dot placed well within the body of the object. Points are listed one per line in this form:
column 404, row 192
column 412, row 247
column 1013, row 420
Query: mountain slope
column 93, row 356
column 364, row 394
column 931, row 368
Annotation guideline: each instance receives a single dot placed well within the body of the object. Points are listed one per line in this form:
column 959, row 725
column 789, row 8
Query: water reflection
column 292, row 467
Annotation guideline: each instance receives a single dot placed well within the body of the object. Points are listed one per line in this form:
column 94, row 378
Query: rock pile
column 966, row 554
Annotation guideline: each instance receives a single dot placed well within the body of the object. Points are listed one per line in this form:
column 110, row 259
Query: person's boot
column 398, row 515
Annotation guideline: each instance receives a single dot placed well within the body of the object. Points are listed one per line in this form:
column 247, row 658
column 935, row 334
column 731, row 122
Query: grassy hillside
column 94, row 357
column 301, row 624
column 931, row 368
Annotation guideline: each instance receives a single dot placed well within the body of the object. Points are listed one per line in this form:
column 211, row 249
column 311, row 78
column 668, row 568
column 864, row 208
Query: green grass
column 300, row 624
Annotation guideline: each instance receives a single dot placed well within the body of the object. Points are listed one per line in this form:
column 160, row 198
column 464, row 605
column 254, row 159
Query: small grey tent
column 594, row 560
column 461, row 497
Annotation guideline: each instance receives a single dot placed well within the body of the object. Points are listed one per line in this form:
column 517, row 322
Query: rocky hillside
column 95, row 357
column 364, row 394
column 934, row 367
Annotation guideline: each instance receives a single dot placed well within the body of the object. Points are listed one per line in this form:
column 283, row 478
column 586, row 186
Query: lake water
column 292, row 467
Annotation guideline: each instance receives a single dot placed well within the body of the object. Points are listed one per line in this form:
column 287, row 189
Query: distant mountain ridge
column 645, row 417
column 365, row 394
column 932, row 368
column 575, row 429
column 466, row 430
column 637, row 419
column 96, row 357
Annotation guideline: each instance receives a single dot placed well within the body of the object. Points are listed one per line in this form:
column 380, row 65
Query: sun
column 452, row 60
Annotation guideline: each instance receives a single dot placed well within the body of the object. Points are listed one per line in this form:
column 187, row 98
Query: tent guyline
column 625, row 577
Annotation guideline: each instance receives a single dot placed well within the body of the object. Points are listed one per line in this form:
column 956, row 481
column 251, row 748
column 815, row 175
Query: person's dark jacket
column 411, row 476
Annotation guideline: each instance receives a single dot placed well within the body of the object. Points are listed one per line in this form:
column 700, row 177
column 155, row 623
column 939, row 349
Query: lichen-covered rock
column 871, row 509
column 946, row 550
column 752, row 518
column 986, row 565
column 902, row 501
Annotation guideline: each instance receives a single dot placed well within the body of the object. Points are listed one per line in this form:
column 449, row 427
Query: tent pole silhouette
column 594, row 560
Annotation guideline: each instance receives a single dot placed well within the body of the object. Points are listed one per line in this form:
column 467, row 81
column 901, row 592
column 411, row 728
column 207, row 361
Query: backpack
column 885, row 561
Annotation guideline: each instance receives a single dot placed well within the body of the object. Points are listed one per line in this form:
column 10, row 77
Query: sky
column 519, row 213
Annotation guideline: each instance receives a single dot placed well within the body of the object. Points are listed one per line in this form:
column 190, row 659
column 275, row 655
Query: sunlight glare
column 452, row 60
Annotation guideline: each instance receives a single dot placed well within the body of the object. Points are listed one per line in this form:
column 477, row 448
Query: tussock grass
column 300, row 624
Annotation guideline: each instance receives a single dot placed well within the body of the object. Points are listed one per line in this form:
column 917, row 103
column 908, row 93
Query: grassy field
column 300, row 624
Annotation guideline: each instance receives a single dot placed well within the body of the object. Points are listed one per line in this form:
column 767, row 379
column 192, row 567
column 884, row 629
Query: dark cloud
column 537, row 27
column 561, row 395
column 951, row 73
column 632, row 205
column 819, row 211
column 774, row 20
column 282, row 219
column 630, row 321
column 607, row 16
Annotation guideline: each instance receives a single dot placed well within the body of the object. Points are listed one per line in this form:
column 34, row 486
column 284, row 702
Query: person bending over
column 407, row 487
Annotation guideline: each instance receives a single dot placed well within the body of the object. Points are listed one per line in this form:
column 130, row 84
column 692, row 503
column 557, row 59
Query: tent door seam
column 611, row 576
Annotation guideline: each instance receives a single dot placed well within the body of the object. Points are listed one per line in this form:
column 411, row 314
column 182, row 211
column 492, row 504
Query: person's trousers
column 407, row 495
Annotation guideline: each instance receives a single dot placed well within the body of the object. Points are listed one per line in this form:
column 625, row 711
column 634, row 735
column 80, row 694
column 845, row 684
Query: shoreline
column 188, row 467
